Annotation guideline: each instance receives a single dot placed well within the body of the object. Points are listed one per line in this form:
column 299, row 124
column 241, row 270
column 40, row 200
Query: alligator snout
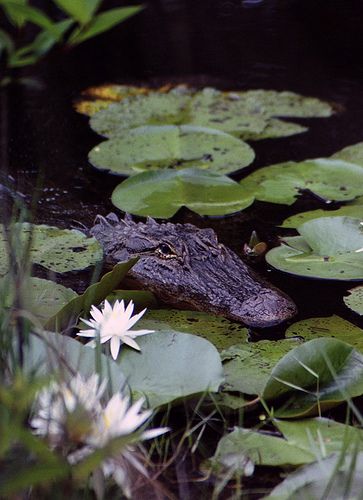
column 265, row 309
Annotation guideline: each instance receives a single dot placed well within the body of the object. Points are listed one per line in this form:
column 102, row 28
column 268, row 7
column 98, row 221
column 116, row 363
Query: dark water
column 312, row 47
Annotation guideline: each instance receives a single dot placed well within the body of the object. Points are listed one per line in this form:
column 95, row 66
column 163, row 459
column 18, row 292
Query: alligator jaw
column 186, row 266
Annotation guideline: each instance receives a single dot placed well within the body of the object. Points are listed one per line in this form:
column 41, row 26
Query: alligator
column 188, row 268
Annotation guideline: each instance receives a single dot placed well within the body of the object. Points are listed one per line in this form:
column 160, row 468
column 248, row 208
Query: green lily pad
column 247, row 367
column 249, row 114
column 221, row 332
column 154, row 148
column 314, row 376
column 330, row 326
column 50, row 353
column 355, row 300
column 42, row 298
column 151, row 109
column 353, row 154
column 285, row 103
column 351, row 210
column 274, row 129
column 161, row 194
column 141, row 298
column 328, row 248
column 261, row 448
column 60, row 250
column 334, row 478
column 321, row 436
column 68, row 315
column 171, row 365
column 282, row 183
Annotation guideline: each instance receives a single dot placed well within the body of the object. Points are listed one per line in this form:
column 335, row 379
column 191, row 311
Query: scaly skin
column 186, row 267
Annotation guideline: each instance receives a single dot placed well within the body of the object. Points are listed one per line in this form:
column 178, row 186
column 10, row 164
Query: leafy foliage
column 355, row 300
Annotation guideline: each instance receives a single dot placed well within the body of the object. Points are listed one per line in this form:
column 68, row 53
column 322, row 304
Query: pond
column 311, row 48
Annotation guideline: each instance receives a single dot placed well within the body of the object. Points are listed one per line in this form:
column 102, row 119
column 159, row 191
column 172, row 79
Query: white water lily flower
column 120, row 419
column 113, row 323
column 57, row 401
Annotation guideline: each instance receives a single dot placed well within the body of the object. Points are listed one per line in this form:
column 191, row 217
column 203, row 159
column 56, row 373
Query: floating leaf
column 154, row 148
column 328, row 248
column 221, row 332
column 59, row 250
column 321, row 436
column 314, row 376
column 247, row 367
column 151, row 109
column 282, row 183
column 355, row 300
column 333, row 478
column 261, row 448
column 351, row 210
column 162, row 194
column 331, row 326
column 171, row 365
column 42, row 298
column 247, row 114
column 52, row 353
column 96, row 293
column 353, row 154
column 285, row 103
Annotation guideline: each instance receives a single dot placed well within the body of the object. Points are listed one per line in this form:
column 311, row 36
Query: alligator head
column 187, row 267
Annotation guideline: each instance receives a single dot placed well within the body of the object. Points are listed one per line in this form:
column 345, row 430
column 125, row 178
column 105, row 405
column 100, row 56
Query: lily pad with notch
column 353, row 209
column 328, row 179
column 327, row 248
column 161, row 194
column 171, row 147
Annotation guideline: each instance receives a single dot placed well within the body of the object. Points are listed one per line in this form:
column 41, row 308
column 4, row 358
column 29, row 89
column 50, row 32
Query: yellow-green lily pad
column 328, row 248
column 353, row 154
column 161, row 194
column 282, row 183
column 355, row 300
column 60, row 250
column 157, row 147
column 352, row 210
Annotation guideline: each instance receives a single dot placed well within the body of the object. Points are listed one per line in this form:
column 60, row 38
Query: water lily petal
column 130, row 342
column 135, row 319
column 138, row 333
column 152, row 433
column 86, row 333
column 114, row 346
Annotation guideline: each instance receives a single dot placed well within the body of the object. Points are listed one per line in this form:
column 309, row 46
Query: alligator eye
column 165, row 251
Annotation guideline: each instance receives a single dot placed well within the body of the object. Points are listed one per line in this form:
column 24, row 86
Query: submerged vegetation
column 74, row 417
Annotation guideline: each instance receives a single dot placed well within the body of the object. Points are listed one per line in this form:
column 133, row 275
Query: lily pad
column 250, row 114
column 60, row 250
column 314, row 376
column 221, row 332
column 330, row 326
column 151, row 109
column 353, row 154
column 285, row 103
column 67, row 317
column 42, row 298
column 171, row 365
column 261, row 448
column 50, row 353
column 154, row 148
column 351, row 210
column 247, row 367
column 328, row 248
column 333, row 478
column 329, row 179
column 355, row 300
column 321, row 436
column 161, row 194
